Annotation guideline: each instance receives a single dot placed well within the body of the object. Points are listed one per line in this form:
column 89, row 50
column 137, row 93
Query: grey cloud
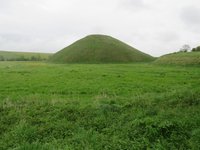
column 49, row 25
column 168, row 37
column 131, row 5
column 191, row 15
column 134, row 3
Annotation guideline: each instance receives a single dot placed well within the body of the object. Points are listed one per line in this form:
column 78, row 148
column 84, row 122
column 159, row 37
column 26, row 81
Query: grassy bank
column 181, row 58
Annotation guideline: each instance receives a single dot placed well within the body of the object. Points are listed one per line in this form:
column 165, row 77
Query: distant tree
column 33, row 58
column 21, row 58
column 197, row 49
column 194, row 50
column 1, row 58
column 185, row 48
column 39, row 58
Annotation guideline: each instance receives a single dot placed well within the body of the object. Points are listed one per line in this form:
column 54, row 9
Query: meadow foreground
column 102, row 106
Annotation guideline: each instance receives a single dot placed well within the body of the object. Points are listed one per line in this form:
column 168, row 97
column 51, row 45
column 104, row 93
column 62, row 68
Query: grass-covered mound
column 181, row 58
column 23, row 56
column 99, row 49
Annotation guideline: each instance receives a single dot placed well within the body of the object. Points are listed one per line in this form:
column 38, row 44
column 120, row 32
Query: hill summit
column 99, row 49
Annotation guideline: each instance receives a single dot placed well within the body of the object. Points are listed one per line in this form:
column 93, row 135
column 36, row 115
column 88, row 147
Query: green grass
column 181, row 58
column 23, row 56
column 99, row 49
column 104, row 106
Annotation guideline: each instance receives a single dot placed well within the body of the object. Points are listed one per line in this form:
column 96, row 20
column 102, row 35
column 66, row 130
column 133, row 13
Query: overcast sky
column 156, row 27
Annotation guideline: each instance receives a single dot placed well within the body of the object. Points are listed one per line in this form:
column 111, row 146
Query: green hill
column 99, row 49
column 23, row 56
column 181, row 58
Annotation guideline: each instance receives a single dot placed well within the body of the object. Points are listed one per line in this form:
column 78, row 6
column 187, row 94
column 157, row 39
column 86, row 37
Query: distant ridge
column 99, row 49
column 23, row 56
column 180, row 58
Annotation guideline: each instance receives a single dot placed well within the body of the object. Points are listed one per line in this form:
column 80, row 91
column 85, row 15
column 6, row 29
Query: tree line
column 22, row 58
column 197, row 49
column 187, row 48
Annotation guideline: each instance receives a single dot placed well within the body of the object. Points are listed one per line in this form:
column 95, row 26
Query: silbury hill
column 99, row 49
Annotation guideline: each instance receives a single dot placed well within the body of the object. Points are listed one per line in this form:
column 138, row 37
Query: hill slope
column 23, row 56
column 190, row 58
column 99, row 49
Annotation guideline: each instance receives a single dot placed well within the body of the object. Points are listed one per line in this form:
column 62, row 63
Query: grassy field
column 100, row 49
column 181, row 58
column 114, row 106
column 23, row 56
